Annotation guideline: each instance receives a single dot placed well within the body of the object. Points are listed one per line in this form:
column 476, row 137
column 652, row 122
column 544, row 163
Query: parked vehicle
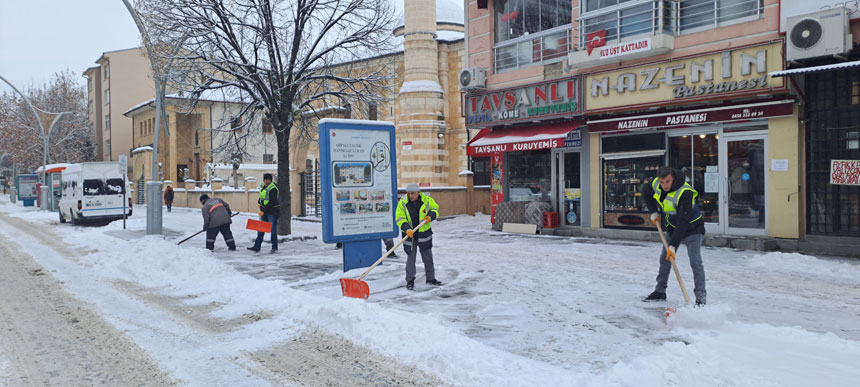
column 93, row 192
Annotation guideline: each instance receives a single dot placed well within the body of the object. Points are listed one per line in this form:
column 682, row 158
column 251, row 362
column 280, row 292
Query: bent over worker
column 411, row 209
column 672, row 201
column 216, row 218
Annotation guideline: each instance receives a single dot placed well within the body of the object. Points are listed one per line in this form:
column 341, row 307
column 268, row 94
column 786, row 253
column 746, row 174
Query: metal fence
column 309, row 182
column 833, row 133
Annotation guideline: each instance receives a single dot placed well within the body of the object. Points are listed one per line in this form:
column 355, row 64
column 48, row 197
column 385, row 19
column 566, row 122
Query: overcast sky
column 41, row 37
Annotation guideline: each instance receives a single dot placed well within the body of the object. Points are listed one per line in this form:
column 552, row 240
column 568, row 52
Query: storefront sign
column 712, row 76
column 620, row 49
column 574, row 138
column 526, row 103
column 484, row 150
column 687, row 118
column 845, row 172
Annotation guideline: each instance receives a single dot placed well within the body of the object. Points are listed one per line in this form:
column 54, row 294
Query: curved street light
column 45, row 134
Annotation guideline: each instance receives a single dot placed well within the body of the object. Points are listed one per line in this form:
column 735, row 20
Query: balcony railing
column 533, row 49
column 649, row 17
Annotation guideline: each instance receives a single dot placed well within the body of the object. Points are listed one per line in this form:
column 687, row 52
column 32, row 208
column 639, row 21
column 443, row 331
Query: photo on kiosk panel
column 352, row 174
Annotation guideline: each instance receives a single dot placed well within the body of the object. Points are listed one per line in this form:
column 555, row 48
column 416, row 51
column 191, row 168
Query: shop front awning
column 816, row 69
column 684, row 118
column 520, row 138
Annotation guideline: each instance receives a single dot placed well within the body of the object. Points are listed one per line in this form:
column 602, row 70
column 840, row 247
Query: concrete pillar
column 470, row 190
column 153, row 210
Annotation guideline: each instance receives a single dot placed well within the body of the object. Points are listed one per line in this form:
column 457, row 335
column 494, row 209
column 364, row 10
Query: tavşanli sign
column 524, row 103
column 711, row 76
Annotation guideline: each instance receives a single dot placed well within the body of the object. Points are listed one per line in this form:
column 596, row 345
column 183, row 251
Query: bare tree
column 278, row 57
column 71, row 140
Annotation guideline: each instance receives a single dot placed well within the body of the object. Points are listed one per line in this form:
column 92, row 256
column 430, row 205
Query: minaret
column 421, row 120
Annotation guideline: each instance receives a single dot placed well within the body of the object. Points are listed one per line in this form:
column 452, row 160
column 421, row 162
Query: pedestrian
column 411, row 209
column 672, row 201
column 389, row 243
column 168, row 197
column 270, row 208
column 216, row 218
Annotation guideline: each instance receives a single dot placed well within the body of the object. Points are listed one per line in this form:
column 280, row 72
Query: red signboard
column 692, row 117
column 486, row 150
column 845, row 172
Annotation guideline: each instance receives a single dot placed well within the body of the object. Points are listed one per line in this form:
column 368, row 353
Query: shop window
column 642, row 142
column 529, row 176
column 481, row 170
column 697, row 156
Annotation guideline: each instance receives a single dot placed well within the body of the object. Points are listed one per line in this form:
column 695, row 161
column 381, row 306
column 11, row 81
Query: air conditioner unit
column 473, row 78
column 817, row 34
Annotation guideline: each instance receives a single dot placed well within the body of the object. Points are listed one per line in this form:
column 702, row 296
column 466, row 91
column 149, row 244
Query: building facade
column 121, row 79
column 680, row 83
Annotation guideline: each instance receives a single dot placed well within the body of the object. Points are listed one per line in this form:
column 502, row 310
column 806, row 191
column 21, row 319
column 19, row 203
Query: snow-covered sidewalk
column 514, row 310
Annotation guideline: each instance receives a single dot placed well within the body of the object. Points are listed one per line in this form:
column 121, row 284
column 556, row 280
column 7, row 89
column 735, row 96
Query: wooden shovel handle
column 391, row 250
column 674, row 267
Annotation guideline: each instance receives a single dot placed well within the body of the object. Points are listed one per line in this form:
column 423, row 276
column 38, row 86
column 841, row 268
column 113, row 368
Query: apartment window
column 621, row 18
column 696, row 15
column 196, row 138
column 530, row 31
column 107, row 96
column 107, row 148
column 107, row 71
column 107, row 122
column 268, row 158
column 236, row 123
column 267, row 126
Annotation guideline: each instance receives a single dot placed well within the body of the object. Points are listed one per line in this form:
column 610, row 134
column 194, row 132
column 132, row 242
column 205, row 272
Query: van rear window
column 96, row 187
column 93, row 187
column 114, row 187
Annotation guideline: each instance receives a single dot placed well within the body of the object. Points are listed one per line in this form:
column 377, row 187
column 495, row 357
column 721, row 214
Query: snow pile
column 803, row 265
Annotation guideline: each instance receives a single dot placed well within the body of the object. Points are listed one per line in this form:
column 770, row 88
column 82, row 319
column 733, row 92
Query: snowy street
column 514, row 310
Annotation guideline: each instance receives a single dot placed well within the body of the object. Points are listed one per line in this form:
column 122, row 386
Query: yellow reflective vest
column 428, row 205
column 670, row 202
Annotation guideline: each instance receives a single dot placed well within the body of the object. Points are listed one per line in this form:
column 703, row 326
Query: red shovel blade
column 354, row 288
column 257, row 225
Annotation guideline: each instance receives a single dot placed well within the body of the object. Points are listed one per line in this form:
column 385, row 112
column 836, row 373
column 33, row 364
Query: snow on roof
column 141, row 149
column 53, row 166
column 422, row 85
column 447, row 11
column 829, row 67
column 264, row 167
column 206, row 96
column 450, row 36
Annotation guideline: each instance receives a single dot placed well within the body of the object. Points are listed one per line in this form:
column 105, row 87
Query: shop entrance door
column 743, row 191
column 570, row 198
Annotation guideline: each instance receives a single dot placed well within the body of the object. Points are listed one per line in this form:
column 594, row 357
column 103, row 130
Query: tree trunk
column 286, row 214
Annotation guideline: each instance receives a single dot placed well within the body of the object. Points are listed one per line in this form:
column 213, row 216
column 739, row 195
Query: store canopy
column 815, row 69
column 521, row 138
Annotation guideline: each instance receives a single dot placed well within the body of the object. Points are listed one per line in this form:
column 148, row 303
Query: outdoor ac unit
column 819, row 33
column 473, row 78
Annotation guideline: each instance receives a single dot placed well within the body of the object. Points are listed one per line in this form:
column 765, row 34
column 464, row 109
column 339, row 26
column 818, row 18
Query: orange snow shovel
column 669, row 311
column 357, row 288
column 258, row 225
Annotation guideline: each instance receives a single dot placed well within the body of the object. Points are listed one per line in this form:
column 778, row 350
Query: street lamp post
column 153, row 187
column 45, row 137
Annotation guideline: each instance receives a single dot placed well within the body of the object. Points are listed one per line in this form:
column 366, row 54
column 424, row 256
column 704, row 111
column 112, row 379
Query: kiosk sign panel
column 358, row 173
column 28, row 189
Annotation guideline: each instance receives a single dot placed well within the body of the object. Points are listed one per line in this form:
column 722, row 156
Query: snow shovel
column 357, row 288
column 669, row 311
column 258, row 225
column 198, row 233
